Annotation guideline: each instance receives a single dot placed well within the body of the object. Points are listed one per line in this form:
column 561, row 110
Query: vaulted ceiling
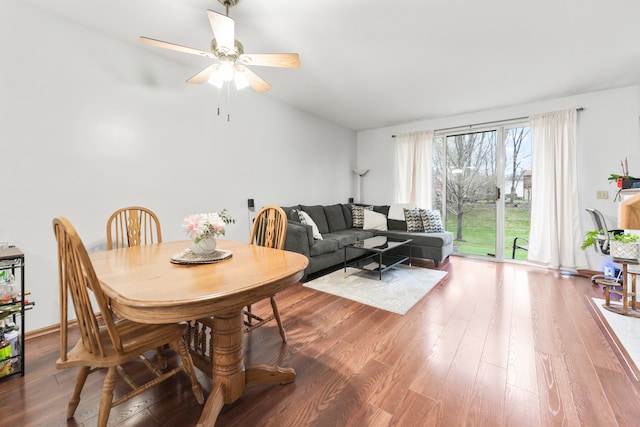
column 368, row 63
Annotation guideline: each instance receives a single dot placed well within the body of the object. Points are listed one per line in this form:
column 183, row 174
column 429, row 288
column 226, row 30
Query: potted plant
column 622, row 245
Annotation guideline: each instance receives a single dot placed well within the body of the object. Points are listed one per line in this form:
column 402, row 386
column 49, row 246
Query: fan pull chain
column 228, row 101
column 218, row 100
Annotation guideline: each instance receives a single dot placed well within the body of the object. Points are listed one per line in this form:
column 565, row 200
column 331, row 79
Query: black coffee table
column 378, row 249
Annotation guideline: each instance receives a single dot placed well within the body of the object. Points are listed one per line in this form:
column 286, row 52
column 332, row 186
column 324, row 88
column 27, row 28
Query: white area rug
column 399, row 290
column 626, row 328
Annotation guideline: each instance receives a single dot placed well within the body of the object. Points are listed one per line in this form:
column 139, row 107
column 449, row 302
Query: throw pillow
column 431, row 221
column 374, row 220
column 292, row 212
column 306, row 219
column 413, row 219
column 358, row 215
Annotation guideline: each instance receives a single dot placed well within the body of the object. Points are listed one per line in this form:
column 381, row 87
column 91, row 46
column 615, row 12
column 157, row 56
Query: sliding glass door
column 482, row 186
column 517, row 185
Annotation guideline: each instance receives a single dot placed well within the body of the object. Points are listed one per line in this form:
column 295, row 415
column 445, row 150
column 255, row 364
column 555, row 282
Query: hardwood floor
column 494, row 344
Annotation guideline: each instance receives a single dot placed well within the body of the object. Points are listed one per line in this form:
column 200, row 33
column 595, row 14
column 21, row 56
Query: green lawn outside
column 479, row 230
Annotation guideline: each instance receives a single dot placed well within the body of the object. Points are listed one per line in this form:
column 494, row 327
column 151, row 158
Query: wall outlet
column 602, row 194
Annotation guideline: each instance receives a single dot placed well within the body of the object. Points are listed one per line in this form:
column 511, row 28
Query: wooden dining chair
column 105, row 341
column 270, row 230
column 133, row 226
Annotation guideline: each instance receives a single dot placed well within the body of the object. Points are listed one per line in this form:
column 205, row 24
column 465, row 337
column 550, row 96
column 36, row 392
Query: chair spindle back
column 78, row 279
column 133, row 226
column 269, row 228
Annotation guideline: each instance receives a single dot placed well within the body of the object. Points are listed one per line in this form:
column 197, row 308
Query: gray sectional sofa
column 335, row 224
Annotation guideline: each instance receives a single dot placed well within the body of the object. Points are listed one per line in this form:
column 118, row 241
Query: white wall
column 608, row 132
column 89, row 124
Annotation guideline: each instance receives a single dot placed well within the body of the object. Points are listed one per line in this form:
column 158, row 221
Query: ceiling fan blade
column 257, row 83
column 203, row 75
column 283, row 60
column 176, row 47
column 223, row 29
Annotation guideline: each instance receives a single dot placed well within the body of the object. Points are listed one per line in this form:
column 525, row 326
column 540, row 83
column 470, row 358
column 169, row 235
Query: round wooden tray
column 188, row 257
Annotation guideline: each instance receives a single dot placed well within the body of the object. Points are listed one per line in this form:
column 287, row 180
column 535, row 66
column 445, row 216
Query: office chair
column 603, row 240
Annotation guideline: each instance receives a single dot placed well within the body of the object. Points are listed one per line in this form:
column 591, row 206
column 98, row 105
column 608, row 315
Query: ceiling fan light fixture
column 240, row 80
column 215, row 78
column 226, row 70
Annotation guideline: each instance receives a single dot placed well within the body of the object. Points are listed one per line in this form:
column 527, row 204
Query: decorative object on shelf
column 625, row 180
column 204, row 228
column 622, row 245
column 625, row 246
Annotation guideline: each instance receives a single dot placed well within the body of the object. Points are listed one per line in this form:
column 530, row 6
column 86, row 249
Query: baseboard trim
column 52, row 329
column 42, row 331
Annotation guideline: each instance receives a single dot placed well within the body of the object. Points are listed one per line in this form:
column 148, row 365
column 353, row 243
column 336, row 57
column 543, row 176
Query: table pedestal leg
column 229, row 376
column 265, row 374
column 228, row 364
column 212, row 407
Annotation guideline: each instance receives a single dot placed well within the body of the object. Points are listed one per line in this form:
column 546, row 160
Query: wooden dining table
column 143, row 285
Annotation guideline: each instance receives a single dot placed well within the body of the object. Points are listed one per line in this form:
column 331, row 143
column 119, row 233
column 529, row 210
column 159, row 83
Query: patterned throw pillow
column 431, row 221
column 413, row 219
column 306, row 219
column 358, row 215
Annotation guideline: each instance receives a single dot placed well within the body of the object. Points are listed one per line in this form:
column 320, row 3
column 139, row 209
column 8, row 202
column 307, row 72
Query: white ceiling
column 368, row 63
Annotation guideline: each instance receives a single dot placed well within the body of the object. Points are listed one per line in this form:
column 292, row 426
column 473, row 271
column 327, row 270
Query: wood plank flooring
column 493, row 345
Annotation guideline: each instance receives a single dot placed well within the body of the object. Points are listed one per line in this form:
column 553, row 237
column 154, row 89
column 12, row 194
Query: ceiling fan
column 229, row 52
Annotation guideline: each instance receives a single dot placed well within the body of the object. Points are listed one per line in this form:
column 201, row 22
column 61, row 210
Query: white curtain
column 555, row 237
column 413, row 168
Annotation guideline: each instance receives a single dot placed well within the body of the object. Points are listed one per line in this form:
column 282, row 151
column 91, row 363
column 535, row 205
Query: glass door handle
column 497, row 193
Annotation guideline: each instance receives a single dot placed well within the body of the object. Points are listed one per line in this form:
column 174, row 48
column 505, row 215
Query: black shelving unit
column 13, row 305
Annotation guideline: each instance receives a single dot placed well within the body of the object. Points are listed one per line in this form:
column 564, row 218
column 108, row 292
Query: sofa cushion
column 383, row 209
column 431, row 221
column 358, row 233
column 414, row 220
column 323, row 246
column 317, row 215
column 306, row 219
column 394, row 224
column 348, row 216
column 335, row 218
column 358, row 215
column 374, row 220
column 342, row 237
